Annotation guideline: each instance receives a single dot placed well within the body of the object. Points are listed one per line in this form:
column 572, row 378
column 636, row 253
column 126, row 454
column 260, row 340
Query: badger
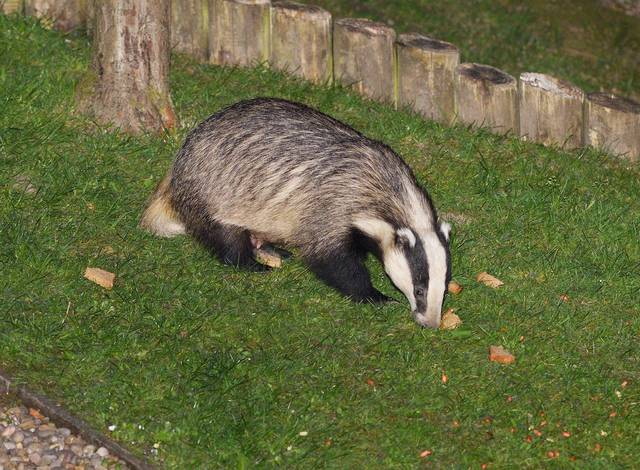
column 271, row 171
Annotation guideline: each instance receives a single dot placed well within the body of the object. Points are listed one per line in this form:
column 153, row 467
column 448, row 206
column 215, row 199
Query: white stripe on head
column 437, row 258
column 420, row 212
column 398, row 270
column 395, row 262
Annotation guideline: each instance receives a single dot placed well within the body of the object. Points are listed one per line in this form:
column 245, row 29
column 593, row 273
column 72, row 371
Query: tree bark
column 128, row 85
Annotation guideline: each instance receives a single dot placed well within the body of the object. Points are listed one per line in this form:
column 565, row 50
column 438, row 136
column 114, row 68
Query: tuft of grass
column 217, row 367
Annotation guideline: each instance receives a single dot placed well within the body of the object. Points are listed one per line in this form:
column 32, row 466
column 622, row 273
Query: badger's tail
column 160, row 218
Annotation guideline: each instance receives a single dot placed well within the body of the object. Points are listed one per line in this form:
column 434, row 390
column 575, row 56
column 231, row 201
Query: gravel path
column 29, row 440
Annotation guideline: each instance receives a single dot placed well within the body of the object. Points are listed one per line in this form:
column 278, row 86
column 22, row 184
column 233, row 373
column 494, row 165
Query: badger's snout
column 427, row 320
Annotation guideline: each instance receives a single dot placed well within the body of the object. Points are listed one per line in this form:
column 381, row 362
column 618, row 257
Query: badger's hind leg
column 344, row 270
column 231, row 244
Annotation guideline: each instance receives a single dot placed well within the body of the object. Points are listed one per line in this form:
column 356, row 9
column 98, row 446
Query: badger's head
column 418, row 263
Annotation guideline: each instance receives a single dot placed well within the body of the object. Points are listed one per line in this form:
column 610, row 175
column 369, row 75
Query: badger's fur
column 273, row 171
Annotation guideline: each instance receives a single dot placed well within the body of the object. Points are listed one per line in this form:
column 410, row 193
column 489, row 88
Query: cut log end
column 612, row 101
column 364, row 26
column 426, row 43
column 295, row 9
column 250, row 2
column 551, row 84
column 485, row 73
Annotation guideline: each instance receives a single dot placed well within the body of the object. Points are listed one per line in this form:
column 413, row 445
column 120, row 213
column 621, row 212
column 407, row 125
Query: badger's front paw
column 377, row 297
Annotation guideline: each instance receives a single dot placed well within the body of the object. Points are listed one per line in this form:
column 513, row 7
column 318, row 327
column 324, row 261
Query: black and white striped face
column 419, row 265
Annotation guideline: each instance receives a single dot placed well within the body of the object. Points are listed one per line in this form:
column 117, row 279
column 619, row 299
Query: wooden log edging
column 363, row 54
column 613, row 124
column 190, row 28
column 65, row 15
column 550, row 111
column 62, row 418
column 426, row 76
column 238, row 32
column 364, row 57
column 11, row 6
column 486, row 97
column 300, row 41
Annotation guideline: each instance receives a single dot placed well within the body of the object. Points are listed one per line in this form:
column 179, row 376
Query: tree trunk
column 128, row 86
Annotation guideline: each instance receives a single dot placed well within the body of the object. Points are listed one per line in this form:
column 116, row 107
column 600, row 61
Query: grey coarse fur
column 291, row 176
column 237, row 164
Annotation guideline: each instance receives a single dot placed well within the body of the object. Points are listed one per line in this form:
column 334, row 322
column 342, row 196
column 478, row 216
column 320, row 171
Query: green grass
column 576, row 40
column 222, row 368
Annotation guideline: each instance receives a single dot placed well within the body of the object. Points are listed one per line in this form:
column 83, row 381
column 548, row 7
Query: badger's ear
column 445, row 228
column 405, row 237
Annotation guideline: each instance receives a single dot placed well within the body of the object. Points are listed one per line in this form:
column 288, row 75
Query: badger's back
column 291, row 174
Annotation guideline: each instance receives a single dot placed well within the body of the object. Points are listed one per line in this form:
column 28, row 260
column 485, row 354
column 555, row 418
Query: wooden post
column 487, row 97
column 613, row 124
column 65, row 15
column 190, row 27
column 10, row 6
column 363, row 55
column 301, row 41
column 550, row 110
column 238, row 32
column 426, row 70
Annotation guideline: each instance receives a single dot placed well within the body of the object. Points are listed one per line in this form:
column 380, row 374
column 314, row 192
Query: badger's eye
column 419, row 292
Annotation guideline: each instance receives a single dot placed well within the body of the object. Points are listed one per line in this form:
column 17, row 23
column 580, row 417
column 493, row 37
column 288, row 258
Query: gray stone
column 35, row 458
column 48, row 459
column 27, row 425
column 9, row 446
column 44, row 434
column 102, row 452
column 89, row 450
column 8, row 432
column 35, row 446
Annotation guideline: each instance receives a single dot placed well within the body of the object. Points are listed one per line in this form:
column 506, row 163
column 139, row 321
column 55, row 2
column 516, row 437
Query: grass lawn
column 576, row 40
column 221, row 368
